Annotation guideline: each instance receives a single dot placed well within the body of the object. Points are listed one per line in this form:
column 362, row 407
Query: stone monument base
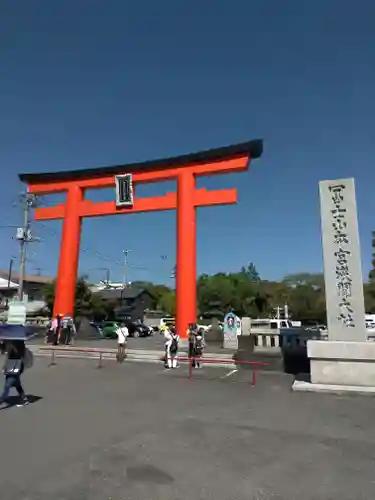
column 338, row 366
column 300, row 386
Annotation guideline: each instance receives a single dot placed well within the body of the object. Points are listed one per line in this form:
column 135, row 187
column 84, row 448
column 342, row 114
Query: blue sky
column 93, row 82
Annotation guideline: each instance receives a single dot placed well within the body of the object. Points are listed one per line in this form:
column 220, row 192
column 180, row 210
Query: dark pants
column 192, row 354
column 68, row 335
column 12, row 381
column 121, row 352
column 198, row 355
column 56, row 336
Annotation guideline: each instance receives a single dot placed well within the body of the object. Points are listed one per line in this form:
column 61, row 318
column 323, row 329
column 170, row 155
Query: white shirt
column 167, row 337
column 122, row 333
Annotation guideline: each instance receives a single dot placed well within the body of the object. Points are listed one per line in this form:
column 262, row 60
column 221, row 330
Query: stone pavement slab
column 138, row 432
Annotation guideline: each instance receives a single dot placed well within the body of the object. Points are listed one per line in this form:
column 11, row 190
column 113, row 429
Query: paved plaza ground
column 137, row 432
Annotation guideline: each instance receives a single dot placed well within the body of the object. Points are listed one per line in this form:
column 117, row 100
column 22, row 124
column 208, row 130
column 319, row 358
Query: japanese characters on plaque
column 341, row 240
column 342, row 261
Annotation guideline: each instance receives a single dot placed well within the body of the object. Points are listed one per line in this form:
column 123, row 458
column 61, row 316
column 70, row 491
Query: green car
column 109, row 329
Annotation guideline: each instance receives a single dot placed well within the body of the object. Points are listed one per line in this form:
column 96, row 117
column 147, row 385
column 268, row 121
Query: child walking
column 171, row 347
column 198, row 347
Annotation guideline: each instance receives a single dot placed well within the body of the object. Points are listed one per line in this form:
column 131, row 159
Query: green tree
column 241, row 292
column 251, row 272
column 307, row 303
column 167, row 302
column 315, row 280
column 86, row 303
column 369, row 296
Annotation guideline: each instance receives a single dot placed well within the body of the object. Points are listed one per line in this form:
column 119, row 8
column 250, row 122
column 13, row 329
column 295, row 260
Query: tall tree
column 251, row 272
column 86, row 303
column 316, row 280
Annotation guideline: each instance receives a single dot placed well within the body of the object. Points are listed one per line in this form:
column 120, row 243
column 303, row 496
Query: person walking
column 13, row 369
column 49, row 331
column 199, row 347
column 70, row 330
column 122, row 335
column 191, row 341
column 167, row 343
column 171, row 347
column 58, row 328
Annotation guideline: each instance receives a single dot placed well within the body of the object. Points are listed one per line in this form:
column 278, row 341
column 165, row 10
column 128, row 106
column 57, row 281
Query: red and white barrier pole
column 100, row 365
column 53, row 362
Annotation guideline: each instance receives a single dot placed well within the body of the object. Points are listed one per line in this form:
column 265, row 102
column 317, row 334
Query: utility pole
column 173, row 273
column 126, row 252
column 107, row 277
column 10, row 271
column 24, row 237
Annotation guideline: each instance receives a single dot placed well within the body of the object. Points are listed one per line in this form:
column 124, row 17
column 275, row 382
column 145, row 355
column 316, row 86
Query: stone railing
column 270, row 340
column 38, row 321
column 266, row 340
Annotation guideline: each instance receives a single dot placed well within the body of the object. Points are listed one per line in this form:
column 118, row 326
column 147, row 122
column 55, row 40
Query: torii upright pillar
column 187, row 198
column 186, row 265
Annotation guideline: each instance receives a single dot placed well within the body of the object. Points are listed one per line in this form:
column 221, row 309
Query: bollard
column 190, row 368
column 254, row 377
column 100, row 365
column 53, row 363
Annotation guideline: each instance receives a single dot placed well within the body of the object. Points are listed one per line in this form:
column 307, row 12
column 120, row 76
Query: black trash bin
column 293, row 343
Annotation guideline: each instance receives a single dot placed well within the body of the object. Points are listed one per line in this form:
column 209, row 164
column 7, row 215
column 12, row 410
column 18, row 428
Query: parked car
column 109, row 329
column 138, row 329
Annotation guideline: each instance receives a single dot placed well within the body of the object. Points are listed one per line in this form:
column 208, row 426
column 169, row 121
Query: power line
column 98, row 255
column 24, row 237
column 124, row 264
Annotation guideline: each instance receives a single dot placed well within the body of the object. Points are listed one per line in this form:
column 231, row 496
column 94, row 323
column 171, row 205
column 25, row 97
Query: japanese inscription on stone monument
column 342, row 261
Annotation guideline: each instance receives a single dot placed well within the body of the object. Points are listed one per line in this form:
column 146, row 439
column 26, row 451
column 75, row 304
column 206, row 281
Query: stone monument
column 346, row 361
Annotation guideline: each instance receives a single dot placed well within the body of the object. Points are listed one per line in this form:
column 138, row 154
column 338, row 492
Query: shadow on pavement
column 15, row 400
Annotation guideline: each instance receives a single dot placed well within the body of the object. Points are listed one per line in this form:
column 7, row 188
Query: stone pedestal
column 340, row 366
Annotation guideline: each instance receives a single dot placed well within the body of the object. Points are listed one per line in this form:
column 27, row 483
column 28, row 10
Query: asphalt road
column 137, row 432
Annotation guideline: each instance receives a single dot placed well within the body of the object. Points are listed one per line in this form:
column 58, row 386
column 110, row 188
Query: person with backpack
column 15, row 364
column 191, row 341
column 167, row 342
column 198, row 347
column 171, row 348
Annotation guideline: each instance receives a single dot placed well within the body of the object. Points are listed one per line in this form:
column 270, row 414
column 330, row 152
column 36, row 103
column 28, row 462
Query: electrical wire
column 42, row 201
column 102, row 257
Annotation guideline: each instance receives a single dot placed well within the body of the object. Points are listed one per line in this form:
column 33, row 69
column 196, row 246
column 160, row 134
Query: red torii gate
column 183, row 168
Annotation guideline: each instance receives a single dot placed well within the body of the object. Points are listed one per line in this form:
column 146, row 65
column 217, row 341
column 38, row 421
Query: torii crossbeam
column 184, row 169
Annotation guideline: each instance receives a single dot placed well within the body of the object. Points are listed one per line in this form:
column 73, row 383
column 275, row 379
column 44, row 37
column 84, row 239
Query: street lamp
column 126, row 252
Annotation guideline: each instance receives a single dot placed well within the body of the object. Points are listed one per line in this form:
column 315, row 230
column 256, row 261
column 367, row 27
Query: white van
column 270, row 324
column 167, row 322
